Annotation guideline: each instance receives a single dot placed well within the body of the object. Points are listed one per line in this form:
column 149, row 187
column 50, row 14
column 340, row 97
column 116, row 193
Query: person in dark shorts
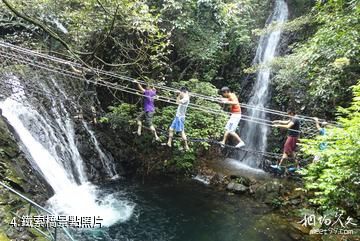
column 293, row 126
column 149, row 109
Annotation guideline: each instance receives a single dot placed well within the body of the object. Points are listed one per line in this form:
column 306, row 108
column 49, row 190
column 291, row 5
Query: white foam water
column 202, row 178
column 255, row 135
column 50, row 143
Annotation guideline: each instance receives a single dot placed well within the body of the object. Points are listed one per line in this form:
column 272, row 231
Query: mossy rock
column 3, row 237
column 17, row 172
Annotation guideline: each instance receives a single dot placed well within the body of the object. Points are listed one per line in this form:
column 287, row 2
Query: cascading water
column 255, row 135
column 48, row 135
column 106, row 160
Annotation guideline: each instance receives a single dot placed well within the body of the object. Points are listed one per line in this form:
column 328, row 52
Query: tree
column 334, row 180
column 321, row 68
column 125, row 36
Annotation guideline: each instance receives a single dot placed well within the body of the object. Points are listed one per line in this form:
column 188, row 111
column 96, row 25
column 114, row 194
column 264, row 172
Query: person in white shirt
column 178, row 123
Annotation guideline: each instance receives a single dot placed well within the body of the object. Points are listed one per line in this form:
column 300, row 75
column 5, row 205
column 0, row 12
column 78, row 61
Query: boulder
column 236, row 187
column 268, row 191
column 301, row 228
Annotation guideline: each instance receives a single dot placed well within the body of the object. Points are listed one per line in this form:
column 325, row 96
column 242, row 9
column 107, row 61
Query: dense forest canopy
column 179, row 40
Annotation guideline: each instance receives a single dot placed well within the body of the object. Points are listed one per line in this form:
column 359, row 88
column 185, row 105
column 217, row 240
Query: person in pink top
column 149, row 109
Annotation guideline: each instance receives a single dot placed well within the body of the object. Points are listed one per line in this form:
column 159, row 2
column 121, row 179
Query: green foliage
column 120, row 116
column 290, row 26
column 123, row 34
column 2, row 152
column 148, row 39
column 335, row 178
column 207, row 33
column 277, row 203
column 198, row 124
column 319, row 71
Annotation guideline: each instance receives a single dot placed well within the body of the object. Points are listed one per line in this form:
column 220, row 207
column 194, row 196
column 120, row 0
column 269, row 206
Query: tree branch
column 109, row 32
column 102, row 6
column 43, row 27
column 112, row 65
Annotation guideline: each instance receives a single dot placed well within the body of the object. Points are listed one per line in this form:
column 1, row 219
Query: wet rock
column 295, row 201
column 295, row 236
column 11, row 233
column 18, row 172
column 236, row 187
column 336, row 238
column 242, row 180
column 301, row 228
column 217, row 179
column 267, row 192
column 12, row 153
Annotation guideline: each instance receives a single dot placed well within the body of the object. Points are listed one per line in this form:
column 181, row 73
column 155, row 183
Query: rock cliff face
column 16, row 172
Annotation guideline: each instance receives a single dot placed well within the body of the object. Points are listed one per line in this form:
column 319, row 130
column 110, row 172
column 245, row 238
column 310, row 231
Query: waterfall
column 48, row 135
column 106, row 160
column 255, row 135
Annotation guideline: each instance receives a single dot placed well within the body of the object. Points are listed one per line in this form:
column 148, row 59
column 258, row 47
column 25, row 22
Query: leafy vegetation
column 334, row 180
column 198, row 124
column 321, row 68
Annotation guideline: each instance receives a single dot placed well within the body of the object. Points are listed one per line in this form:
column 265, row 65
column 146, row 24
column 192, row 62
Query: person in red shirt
column 233, row 122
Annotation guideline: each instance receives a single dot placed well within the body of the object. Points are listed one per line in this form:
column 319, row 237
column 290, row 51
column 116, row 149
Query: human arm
column 281, row 122
column 75, row 69
column 230, row 101
column 317, row 123
column 140, row 87
column 285, row 125
column 182, row 100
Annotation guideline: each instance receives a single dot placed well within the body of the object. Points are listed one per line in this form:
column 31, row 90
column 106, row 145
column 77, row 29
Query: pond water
column 166, row 209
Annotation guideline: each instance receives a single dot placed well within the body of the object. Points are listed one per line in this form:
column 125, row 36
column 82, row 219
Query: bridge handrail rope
column 131, row 90
column 192, row 139
column 134, row 80
column 164, row 132
column 37, row 206
column 98, row 71
column 59, row 60
column 136, row 92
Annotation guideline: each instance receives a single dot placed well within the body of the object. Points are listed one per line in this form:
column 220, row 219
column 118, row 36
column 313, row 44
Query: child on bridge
column 178, row 124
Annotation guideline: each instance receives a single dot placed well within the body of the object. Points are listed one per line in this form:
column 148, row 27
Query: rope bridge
column 78, row 72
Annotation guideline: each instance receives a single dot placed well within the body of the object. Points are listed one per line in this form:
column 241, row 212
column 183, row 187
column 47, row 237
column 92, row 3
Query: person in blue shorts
column 178, row 124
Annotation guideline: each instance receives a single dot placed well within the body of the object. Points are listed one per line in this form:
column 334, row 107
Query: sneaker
column 240, row 144
column 292, row 169
column 275, row 167
column 222, row 144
